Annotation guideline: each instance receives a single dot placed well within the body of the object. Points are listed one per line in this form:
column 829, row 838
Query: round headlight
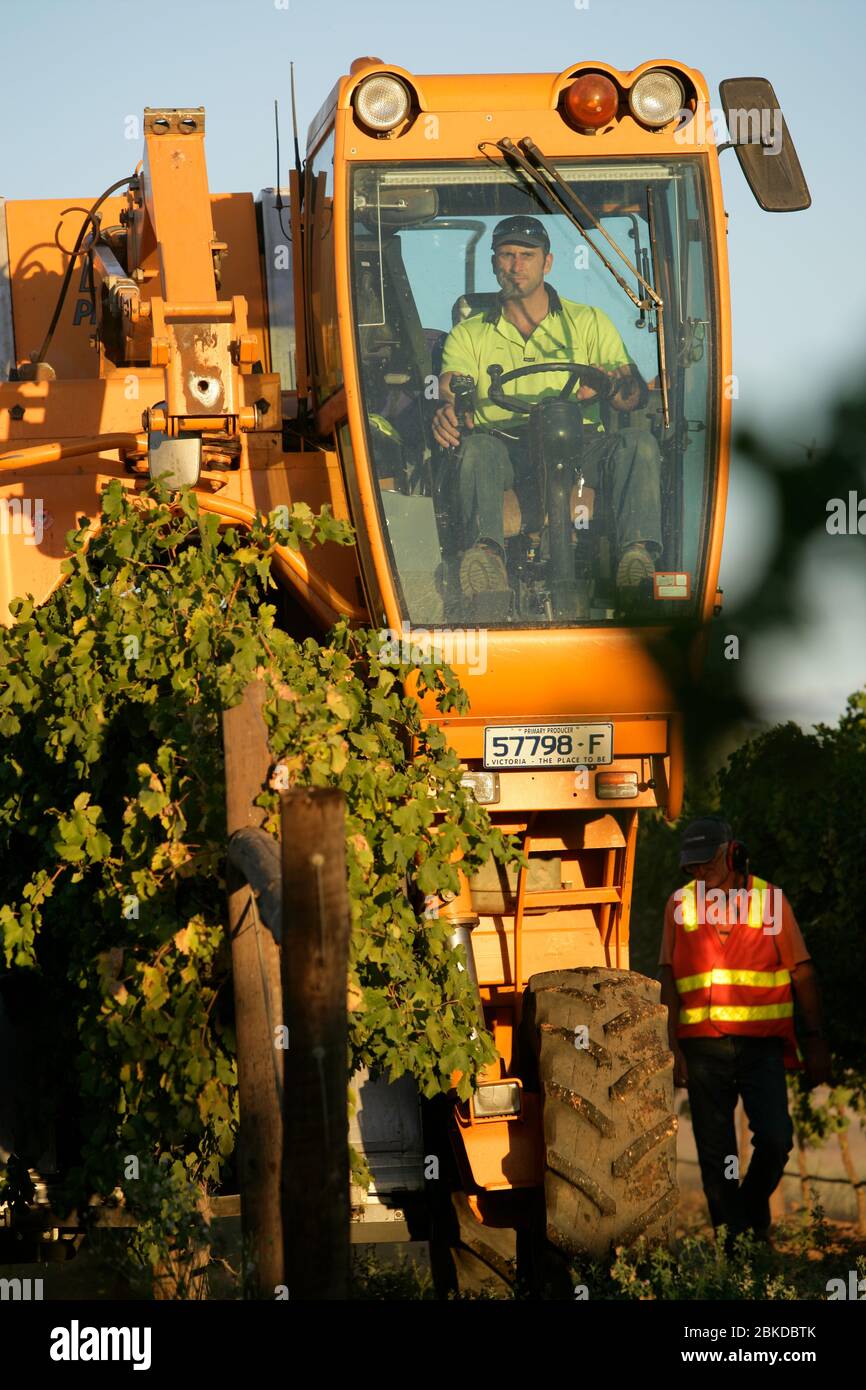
column 656, row 98
column 382, row 102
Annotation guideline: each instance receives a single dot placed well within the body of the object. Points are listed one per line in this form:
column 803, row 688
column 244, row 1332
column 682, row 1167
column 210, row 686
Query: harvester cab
column 620, row 177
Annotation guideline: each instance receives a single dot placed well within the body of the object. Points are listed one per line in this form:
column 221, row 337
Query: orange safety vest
column 740, row 987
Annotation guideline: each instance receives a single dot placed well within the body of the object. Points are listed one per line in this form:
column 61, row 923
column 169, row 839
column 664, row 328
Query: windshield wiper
column 660, row 327
column 640, row 260
column 530, row 159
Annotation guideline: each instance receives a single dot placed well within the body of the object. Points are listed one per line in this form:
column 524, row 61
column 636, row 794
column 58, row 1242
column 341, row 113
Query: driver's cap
column 523, row 231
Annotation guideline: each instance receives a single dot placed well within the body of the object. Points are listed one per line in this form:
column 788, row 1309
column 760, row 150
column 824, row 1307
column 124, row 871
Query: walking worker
column 732, row 958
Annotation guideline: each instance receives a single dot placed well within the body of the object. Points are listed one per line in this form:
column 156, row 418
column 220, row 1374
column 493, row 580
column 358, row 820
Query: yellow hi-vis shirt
column 569, row 332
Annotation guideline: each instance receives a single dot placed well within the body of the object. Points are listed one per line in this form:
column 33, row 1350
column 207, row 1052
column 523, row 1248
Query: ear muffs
column 737, row 857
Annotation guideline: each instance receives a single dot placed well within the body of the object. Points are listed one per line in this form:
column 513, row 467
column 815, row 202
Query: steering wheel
column 598, row 381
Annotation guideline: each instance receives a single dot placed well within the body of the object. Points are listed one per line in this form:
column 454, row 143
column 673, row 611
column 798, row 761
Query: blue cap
column 702, row 838
column 523, row 231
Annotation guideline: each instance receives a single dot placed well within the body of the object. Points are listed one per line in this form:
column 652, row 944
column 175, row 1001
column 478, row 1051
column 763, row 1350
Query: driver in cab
column 531, row 323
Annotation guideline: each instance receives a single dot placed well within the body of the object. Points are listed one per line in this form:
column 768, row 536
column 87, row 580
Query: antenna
column 279, row 201
column 295, row 121
column 278, row 198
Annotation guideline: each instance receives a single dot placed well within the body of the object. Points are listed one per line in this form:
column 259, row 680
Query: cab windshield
column 526, row 472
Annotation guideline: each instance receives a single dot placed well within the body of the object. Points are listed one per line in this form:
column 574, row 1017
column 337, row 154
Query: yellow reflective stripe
column 689, row 907
column 726, row 1013
column 688, row 982
column 756, row 903
column 756, row 979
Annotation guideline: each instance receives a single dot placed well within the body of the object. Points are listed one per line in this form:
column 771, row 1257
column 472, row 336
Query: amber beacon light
column 591, row 101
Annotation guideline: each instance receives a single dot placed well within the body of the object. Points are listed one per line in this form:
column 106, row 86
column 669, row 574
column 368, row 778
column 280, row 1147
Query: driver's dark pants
column 720, row 1070
column 626, row 465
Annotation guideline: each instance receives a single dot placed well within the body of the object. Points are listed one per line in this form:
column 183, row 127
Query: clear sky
column 74, row 74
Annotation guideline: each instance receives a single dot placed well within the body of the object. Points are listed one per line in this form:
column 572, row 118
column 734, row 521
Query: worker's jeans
column 720, row 1069
column 626, row 465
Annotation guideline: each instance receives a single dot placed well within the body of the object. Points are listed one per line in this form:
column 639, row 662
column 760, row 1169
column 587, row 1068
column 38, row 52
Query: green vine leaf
column 112, row 820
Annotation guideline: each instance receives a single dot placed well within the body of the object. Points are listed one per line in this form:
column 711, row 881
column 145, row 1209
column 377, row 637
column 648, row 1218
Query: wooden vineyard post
column 315, row 957
column 851, row 1171
column 256, row 973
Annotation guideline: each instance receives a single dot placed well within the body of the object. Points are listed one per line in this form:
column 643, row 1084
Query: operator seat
column 469, row 304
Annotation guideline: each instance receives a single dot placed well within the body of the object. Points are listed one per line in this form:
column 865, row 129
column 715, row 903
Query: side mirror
column 763, row 144
column 399, row 206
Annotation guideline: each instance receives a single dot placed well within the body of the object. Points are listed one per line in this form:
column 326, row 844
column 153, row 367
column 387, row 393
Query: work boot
column 484, row 582
column 482, row 570
column 635, row 565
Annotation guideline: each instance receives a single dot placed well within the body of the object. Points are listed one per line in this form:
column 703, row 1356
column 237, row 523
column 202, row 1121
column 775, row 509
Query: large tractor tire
column 594, row 1043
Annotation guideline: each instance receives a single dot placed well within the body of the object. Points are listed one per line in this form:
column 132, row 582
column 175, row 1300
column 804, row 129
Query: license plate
column 548, row 745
